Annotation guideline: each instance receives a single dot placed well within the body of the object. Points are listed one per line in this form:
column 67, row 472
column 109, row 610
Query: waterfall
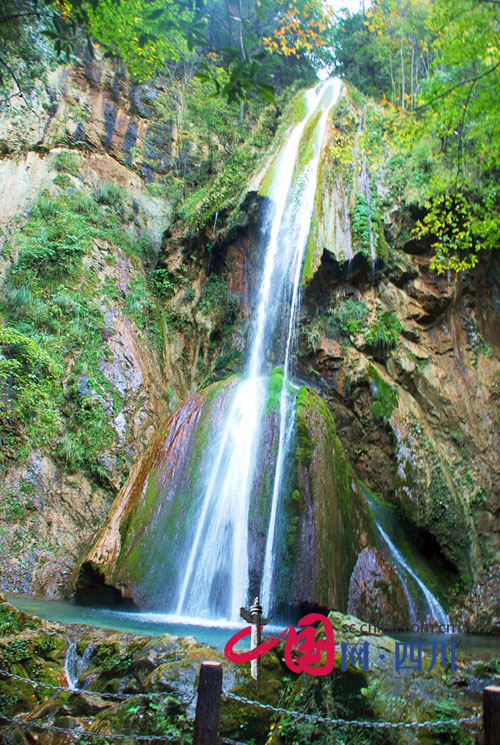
column 435, row 610
column 215, row 579
column 75, row 664
column 297, row 232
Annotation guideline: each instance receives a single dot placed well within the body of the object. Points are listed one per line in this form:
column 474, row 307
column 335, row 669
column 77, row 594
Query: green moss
column 265, row 185
column 384, row 397
column 274, row 386
column 9, row 620
column 304, row 441
column 432, row 494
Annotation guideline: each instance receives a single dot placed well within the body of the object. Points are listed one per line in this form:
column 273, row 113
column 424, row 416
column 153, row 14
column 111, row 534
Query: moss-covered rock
column 326, row 522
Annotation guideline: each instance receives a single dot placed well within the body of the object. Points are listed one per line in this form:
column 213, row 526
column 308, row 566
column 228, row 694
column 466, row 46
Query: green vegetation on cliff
column 51, row 313
column 435, row 67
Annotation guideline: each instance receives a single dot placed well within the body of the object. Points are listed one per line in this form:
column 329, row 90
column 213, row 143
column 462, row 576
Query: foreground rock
column 117, row 669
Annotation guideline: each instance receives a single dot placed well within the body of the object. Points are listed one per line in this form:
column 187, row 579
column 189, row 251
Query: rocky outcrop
column 375, row 592
column 89, row 131
column 324, row 523
column 327, row 522
column 142, row 544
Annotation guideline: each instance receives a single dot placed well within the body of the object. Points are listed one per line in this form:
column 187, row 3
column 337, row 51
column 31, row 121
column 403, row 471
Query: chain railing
column 351, row 722
column 210, row 694
column 85, row 691
column 41, row 724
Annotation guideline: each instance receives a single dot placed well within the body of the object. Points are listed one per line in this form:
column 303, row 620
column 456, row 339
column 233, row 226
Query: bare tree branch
column 16, row 81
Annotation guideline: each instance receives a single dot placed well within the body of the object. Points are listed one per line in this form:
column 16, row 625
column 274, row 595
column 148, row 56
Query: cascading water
column 215, row 578
column 246, row 489
column 433, row 609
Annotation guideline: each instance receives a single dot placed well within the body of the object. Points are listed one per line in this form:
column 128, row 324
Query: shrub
column 66, row 161
column 54, row 238
column 384, row 332
column 161, row 283
column 110, row 194
column 347, row 318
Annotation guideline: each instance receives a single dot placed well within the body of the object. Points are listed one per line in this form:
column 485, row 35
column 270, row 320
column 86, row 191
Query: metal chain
column 40, row 724
column 351, row 722
column 249, row 702
column 84, row 691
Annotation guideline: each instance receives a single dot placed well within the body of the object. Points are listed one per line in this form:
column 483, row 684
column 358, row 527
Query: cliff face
column 90, row 170
column 407, row 362
column 57, row 488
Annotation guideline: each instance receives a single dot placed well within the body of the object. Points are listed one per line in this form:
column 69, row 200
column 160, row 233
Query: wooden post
column 491, row 715
column 206, row 722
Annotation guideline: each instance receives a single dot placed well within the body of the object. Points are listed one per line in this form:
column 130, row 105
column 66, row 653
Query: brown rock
column 376, row 594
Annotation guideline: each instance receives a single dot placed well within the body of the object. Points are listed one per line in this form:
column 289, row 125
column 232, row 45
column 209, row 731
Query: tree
column 460, row 105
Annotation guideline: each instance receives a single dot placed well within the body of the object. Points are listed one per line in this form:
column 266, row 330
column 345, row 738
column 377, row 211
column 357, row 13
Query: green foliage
column 9, row 623
column 138, row 303
column 144, row 33
column 62, row 180
column 449, row 734
column 223, row 193
column 383, row 333
column 161, row 283
column 49, row 323
column 342, row 322
column 360, row 224
column 346, row 318
column 110, row 194
column 384, row 397
column 55, row 238
column 218, row 300
column 28, row 379
column 441, row 60
column 459, row 228
column 68, row 162
column 358, row 57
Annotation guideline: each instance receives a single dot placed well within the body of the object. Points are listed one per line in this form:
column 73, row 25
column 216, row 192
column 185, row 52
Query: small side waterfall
column 432, row 608
column 435, row 610
column 75, row 664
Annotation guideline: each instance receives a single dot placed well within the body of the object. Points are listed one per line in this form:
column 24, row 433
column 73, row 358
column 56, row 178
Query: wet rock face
column 325, row 522
column 431, row 446
column 375, row 592
column 151, row 521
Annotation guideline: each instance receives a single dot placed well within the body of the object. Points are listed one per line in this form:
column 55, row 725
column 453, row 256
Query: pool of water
column 473, row 646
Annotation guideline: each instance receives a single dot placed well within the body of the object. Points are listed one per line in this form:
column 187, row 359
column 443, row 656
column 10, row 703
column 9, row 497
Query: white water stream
column 435, row 610
column 214, row 582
